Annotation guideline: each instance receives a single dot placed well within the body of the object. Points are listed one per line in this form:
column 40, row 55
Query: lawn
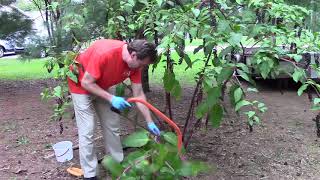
column 183, row 75
column 16, row 69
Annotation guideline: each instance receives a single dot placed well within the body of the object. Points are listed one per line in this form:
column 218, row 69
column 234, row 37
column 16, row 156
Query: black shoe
column 92, row 178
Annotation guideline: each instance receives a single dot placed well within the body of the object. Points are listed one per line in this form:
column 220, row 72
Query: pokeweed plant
column 153, row 158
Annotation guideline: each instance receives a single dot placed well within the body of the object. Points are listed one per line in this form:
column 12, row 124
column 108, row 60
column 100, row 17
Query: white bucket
column 63, row 151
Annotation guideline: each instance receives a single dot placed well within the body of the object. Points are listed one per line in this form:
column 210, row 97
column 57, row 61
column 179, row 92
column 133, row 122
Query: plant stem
column 191, row 107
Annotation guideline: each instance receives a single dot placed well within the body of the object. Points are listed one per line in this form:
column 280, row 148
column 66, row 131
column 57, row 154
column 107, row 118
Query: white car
column 9, row 47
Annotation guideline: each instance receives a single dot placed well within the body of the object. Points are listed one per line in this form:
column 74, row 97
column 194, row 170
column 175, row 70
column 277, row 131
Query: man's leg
column 110, row 123
column 86, row 117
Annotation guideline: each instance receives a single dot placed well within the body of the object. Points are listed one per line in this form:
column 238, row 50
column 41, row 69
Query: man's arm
column 138, row 92
column 89, row 83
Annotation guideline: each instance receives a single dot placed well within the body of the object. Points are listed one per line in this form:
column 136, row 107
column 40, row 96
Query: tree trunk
column 313, row 16
column 145, row 79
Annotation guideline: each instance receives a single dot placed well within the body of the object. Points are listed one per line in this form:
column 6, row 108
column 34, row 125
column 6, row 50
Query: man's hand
column 119, row 103
column 153, row 128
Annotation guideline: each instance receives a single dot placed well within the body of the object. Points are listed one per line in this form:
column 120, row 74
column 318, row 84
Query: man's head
column 142, row 53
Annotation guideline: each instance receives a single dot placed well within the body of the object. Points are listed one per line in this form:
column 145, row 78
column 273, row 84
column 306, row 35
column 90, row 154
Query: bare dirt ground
column 284, row 146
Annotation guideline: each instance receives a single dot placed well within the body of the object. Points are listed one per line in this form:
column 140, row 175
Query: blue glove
column 153, row 128
column 119, row 103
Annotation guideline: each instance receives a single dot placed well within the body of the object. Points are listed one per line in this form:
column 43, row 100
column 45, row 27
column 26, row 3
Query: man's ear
column 133, row 54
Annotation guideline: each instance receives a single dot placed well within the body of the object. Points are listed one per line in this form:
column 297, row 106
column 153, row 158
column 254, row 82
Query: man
column 104, row 64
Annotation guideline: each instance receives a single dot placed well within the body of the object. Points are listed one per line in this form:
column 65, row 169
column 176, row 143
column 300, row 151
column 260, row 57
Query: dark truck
column 285, row 68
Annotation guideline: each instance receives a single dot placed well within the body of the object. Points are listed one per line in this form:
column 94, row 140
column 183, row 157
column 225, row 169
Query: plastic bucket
column 63, row 151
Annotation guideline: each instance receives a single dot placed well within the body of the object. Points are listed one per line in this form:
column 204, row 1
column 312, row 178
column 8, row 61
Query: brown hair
column 143, row 49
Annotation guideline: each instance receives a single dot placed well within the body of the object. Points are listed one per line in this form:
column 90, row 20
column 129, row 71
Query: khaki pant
column 88, row 109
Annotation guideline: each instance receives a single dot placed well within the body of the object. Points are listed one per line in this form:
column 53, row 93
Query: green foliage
column 61, row 92
column 27, row 5
column 22, row 140
column 152, row 160
column 137, row 139
column 14, row 21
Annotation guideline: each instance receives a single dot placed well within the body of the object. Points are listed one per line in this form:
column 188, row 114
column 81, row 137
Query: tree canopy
column 13, row 20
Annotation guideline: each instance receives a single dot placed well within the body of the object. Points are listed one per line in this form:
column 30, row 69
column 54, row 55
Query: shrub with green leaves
column 152, row 159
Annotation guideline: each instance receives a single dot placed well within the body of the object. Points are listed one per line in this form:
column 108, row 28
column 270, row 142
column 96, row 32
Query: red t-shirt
column 103, row 60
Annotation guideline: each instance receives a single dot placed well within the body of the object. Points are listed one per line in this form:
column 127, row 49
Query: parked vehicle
column 285, row 68
column 9, row 47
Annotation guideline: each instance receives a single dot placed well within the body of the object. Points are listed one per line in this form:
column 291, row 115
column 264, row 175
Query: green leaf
column 250, row 121
column 235, row 38
column 225, row 74
column 245, row 76
column 302, row 89
column 239, row 2
column 215, row 115
column 159, row 159
column 176, row 90
column 238, row 94
column 297, row 57
column 243, row 67
column 131, row 2
column 231, row 94
column 171, row 138
column 54, row 5
column 159, row 2
column 213, row 96
column 226, row 51
column 58, row 91
column 256, row 119
column 241, row 104
column 208, row 48
column 196, row 12
column 188, row 60
column 72, row 76
column 121, row 18
column 224, row 26
column 250, row 114
column 315, row 108
column 168, row 80
column 192, row 168
column 252, row 90
column 134, row 156
column 136, row 139
column 112, row 165
column 197, row 49
column 316, row 100
column 120, row 89
column 128, row 178
column 260, row 105
column 297, row 75
column 264, row 69
column 201, row 110
column 131, row 26
column 193, row 32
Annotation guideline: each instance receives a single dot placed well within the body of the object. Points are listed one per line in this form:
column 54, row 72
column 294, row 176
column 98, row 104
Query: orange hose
column 163, row 117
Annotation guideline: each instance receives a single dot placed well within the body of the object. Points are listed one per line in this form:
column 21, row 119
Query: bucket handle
column 64, row 153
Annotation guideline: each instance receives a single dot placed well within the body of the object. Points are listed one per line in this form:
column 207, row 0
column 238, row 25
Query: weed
column 22, row 140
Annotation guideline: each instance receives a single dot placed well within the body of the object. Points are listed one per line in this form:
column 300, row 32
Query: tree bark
column 145, row 79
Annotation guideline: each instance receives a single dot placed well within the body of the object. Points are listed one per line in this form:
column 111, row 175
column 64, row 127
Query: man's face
column 135, row 63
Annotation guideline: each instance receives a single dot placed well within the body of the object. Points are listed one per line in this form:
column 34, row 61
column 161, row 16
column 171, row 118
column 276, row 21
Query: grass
column 15, row 69
column 183, row 75
column 195, row 42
